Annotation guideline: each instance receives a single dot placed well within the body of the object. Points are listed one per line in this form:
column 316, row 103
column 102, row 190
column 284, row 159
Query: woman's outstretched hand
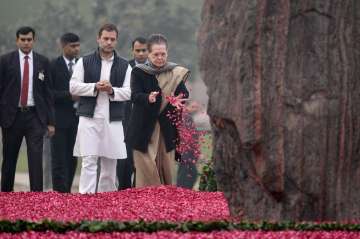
column 177, row 101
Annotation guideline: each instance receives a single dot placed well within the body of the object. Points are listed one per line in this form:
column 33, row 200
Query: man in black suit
column 139, row 51
column 26, row 108
column 63, row 163
column 125, row 167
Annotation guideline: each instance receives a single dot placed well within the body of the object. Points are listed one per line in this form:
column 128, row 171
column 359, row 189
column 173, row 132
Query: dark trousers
column 124, row 170
column 63, row 164
column 28, row 125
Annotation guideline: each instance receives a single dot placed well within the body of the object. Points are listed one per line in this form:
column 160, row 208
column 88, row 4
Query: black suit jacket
column 65, row 114
column 144, row 114
column 132, row 63
column 10, row 89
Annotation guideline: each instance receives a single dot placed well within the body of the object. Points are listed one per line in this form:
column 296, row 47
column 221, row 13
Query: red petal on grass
column 152, row 204
column 190, row 235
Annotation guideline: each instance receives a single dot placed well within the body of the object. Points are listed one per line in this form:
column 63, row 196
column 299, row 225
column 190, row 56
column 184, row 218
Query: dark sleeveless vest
column 92, row 70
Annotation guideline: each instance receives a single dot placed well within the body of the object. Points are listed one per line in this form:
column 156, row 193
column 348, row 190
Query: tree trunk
column 284, row 102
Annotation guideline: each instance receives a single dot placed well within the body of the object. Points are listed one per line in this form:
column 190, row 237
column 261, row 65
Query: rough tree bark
column 284, row 88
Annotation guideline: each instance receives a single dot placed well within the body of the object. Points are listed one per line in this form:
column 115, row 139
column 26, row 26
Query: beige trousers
column 157, row 166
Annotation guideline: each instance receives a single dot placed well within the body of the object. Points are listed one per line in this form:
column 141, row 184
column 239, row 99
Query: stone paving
column 22, row 183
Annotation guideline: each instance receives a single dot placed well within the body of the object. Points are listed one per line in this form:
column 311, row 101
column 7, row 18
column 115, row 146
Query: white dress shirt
column 30, row 99
column 67, row 61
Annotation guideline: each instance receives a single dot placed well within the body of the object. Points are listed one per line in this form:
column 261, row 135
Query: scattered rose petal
column 190, row 235
column 164, row 203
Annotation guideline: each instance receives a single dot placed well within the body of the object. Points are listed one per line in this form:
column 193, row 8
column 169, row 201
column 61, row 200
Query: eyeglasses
column 141, row 50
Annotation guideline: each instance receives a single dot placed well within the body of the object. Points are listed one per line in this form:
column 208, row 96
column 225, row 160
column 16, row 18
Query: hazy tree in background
column 178, row 21
column 57, row 20
column 99, row 11
column 7, row 39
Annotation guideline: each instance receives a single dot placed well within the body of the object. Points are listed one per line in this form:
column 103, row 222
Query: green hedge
column 207, row 178
column 143, row 226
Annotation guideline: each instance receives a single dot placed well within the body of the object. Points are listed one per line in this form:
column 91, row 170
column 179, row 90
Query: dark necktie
column 25, row 83
column 70, row 65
